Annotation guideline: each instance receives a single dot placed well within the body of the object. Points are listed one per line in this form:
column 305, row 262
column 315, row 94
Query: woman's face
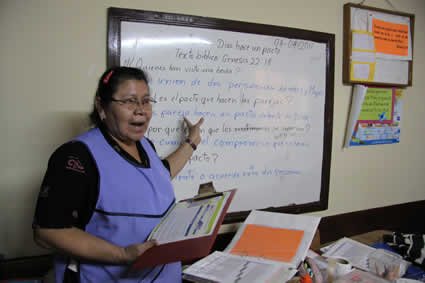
column 124, row 122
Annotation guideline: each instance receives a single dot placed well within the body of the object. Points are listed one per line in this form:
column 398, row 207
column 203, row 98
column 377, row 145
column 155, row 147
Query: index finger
column 200, row 122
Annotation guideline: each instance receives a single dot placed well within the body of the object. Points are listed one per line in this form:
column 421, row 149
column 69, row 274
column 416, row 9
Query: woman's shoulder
column 72, row 152
column 72, row 147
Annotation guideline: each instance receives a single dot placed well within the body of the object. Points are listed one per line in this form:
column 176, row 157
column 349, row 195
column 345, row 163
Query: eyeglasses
column 133, row 103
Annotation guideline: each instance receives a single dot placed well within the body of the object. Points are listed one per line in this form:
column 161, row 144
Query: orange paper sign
column 391, row 38
column 269, row 243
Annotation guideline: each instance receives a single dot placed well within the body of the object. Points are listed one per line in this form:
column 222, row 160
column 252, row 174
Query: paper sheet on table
column 306, row 224
column 356, row 252
column 224, row 267
column 190, row 219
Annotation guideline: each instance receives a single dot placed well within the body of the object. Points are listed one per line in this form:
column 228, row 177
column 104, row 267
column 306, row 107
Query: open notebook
column 267, row 247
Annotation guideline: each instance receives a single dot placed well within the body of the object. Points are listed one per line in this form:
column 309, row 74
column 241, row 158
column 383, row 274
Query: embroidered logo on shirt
column 75, row 165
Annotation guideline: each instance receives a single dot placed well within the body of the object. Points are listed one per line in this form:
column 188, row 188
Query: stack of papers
column 366, row 258
column 356, row 252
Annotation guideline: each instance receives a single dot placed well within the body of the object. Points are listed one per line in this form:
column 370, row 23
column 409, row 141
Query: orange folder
column 270, row 243
column 182, row 250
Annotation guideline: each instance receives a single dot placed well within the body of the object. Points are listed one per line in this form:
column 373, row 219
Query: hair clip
column 106, row 79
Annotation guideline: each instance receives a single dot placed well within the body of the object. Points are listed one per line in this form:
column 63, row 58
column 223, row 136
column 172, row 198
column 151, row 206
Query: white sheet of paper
column 363, row 41
column 190, row 219
column 395, row 71
column 356, row 252
column 361, row 71
column 224, row 267
column 359, row 19
column 366, row 57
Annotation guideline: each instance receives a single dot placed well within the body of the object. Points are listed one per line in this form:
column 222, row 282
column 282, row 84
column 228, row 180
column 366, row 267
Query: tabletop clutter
column 348, row 260
column 277, row 247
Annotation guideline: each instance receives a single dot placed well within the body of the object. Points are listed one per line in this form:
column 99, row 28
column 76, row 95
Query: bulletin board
column 378, row 46
column 265, row 92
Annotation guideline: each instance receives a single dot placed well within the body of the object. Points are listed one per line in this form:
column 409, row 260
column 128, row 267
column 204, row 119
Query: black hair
column 108, row 84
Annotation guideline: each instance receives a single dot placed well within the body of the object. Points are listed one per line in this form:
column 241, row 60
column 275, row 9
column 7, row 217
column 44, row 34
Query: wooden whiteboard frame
column 347, row 43
column 118, row 15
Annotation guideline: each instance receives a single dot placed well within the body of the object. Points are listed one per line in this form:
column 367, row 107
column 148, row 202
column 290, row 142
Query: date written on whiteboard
column 293, row 43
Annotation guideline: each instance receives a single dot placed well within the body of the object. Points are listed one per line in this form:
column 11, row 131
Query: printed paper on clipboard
column 190, row 219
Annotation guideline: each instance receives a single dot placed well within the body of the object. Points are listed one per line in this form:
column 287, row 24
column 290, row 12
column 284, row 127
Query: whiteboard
column 266, row 100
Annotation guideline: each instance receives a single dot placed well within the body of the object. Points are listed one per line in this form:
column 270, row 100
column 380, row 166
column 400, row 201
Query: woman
column 106, row 190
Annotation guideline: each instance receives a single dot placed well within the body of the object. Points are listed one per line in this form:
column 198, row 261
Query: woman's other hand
column 132, row 252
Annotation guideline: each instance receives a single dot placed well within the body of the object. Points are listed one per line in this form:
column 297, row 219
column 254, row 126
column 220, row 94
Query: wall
column 52, row 53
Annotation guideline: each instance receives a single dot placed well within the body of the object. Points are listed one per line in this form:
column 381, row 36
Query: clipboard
column 188, row 249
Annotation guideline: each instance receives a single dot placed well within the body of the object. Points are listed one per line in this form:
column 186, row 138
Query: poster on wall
column 375, row 116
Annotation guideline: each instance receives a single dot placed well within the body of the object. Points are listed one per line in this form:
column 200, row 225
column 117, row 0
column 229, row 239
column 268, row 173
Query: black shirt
column 70, row 190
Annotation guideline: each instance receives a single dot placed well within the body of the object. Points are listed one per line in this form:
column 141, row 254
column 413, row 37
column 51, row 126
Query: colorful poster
column 371, row 131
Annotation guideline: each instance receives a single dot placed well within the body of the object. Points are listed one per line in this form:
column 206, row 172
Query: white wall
column 53, row 51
